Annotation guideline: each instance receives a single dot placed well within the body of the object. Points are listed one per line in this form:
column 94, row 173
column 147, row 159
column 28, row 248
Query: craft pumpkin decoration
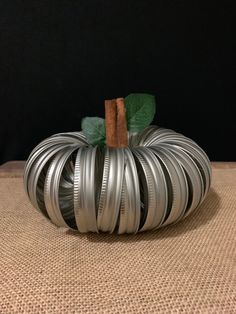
column 107, row 178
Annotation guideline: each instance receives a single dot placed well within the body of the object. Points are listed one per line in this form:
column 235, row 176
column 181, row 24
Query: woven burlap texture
column 189, row 267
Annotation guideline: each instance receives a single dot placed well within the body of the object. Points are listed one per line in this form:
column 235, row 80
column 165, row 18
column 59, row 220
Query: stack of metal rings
column 158, row 180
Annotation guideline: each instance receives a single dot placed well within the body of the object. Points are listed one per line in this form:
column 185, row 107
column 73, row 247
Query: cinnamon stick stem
column 122, row 133
column 111, row 123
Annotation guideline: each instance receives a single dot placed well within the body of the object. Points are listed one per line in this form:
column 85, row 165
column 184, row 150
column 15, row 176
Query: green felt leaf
column 140, row 111
column 94, row 130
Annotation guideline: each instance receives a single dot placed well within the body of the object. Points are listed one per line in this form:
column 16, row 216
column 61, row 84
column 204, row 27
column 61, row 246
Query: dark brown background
column 59, row 60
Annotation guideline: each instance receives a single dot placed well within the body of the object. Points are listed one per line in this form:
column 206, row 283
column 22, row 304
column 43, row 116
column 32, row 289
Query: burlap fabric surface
column 189, row 267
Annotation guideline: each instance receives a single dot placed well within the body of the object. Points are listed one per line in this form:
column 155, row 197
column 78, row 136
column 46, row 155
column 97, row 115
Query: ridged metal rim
column 179, row 184
column 159, row 179
column 130, row 204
